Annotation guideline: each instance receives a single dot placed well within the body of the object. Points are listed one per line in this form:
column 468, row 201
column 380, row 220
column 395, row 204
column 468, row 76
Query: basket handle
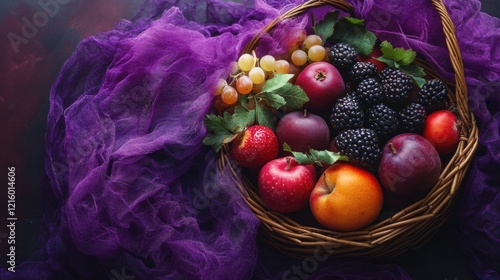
column 449, row 33
column 462, row 99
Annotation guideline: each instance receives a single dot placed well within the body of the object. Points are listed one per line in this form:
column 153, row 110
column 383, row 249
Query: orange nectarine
column 346, row 198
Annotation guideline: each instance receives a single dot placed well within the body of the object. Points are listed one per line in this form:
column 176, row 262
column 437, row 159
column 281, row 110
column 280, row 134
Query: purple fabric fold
column 134, row 192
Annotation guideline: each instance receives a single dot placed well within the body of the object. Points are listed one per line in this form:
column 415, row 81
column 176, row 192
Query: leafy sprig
column 280, row 92
column 224, row 129
column 402, row 59
column 277, row 93
column 336, row 29
column 349, row 30
column 315, row 156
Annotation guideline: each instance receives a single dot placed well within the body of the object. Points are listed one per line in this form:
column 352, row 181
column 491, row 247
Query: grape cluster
column 311, row 50
column 251, row 72
column 249, row 76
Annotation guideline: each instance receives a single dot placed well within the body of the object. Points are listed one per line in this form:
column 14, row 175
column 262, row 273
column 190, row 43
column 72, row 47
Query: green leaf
column 276, row 82
column 389, row 62
column 244, row 100
column 218, row 132
column 265, row 116
column 402, row 59
column 324, row 28
column 326, row 156
column 416, row 72
column 294, row 96
column 224, row 129
column 216, row 141
column 241, row 119
column 408, row 58
column 400, row 56
column 315, row 156
column 215, row 123
column 275, row 100
column 279, row 92
column 386, row 49
column 352, row 32
column 355, row 21
column 301, row 158
column 419, row 81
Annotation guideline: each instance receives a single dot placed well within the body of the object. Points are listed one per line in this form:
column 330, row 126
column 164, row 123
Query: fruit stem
column 320, row 76
column 288, row 163
column 330, row 186
column 254, row 58
column 391, row 146
column 305, row 113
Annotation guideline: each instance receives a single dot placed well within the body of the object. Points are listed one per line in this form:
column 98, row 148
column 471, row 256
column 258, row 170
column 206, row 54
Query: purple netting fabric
column 134, row 192
column 138, row 183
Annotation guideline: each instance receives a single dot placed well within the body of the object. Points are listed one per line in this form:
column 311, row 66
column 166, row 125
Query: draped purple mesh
column 134, row 192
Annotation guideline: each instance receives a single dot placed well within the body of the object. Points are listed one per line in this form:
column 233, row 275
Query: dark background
column 25, row 79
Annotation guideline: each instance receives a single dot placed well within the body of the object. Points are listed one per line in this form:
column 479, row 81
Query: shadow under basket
column 389, row 236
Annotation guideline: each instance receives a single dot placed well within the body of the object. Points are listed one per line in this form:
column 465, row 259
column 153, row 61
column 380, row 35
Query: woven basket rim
column 406, row 229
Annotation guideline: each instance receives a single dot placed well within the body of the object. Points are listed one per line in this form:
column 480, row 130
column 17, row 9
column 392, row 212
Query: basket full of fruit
column 344, row 143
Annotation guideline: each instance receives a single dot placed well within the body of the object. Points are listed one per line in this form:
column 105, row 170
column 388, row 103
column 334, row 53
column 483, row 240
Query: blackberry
column 384, row 121
column 343, row 56
column 352, row 94
column 396, row 88
column 386, row 72
column 363, row 70
column 360, row 146
column 433, row 95
column 347, row 113
column 369, row 92
column 412, row 118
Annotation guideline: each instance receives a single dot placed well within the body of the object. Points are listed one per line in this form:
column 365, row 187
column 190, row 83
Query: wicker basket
column 407, row 228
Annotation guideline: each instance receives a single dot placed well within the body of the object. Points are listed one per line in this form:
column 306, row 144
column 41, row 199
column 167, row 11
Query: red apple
column 255, row 146
column 285, row 186
column 303, row 131
column 323, row 85
column 441, row 129
column 346, row 197
column 409, row 166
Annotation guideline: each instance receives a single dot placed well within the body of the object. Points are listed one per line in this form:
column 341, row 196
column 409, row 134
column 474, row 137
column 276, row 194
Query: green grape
column 220, row 86
column 267, row 63
column 229, row 95
column 311, row 40
column 299, row 57
column 316, row 53
column 257, row 75
column 281, row 66
column 246, row 62
column 244, row 85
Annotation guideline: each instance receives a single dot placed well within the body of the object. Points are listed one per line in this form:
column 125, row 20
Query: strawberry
column 255, row 146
